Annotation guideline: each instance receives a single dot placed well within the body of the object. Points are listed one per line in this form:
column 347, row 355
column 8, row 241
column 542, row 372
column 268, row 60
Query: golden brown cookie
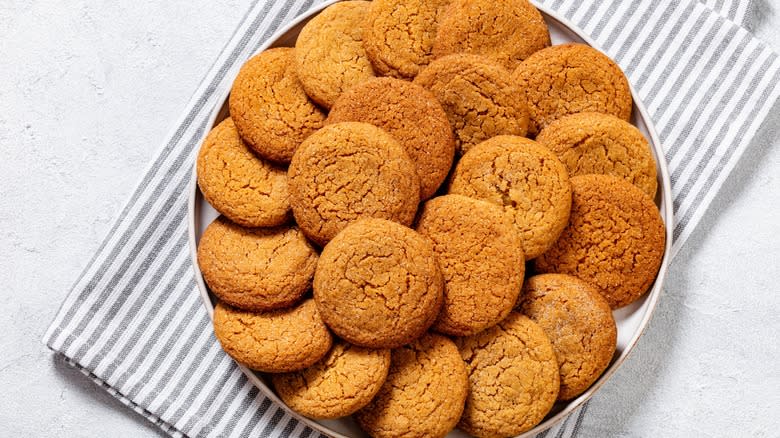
column 399, row 35
column 568, row 79
column 513, row 378
column 256, row 268
column 480, row 254
column 523, row 177
column 347, row 171
column 247, row 189
column 279, row 341
column 615, row 239
column 603, row 144
column 479, row 98
column 342, row 382
column 412, row 115
column 506, row 31
column 329, row 51
column 423, row 395
column 269, row 107
column 378, row 284
column 579, row 323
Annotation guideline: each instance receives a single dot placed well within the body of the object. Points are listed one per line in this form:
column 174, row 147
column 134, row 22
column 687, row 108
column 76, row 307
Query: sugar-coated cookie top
column 615, row 239
column 505, row 31
column 423, row 395
column 347, row 171
column 480, row 253
column 579, row 323
column 329, row 51
column 409, row 113
column 378, row 284
column 342, row 382
column 571, row 78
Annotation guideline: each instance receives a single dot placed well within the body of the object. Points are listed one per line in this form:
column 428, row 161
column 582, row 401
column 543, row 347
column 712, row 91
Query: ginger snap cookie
column 348, row 171
column 378, row 284
column 423, row 395
column 579, row 323
column 269, row 106
column 399, row 35
column 248, row 190
column 480, row 254
column 598, row 143
column 409, row 113
column 513, row 378
column 506, row 31
column 480, row 99
column 342, row 382
column 278, row 341
column 615, row 239
column 329, row 51
column 256, row 268
column 571, row 78
column 524, row 178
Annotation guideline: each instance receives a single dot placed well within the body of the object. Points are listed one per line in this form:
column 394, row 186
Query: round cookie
column 279, row 341
column 615, row 239
column 480, row 254
column 342, row 382
column 571, row 78
column 423, row 395
column 269, row 106
column 399, row 35
column 247, row 189
column 579, row 323
column 523, row 177
column 412, row 115
column 348, row 171
column 603, row 144
column 479, row 98
column 329, row 51
column 513, row 378
column 256, row 268
column 378, row 284
column 506, row 31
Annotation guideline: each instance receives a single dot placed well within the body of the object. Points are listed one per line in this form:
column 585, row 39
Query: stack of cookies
column 428, row 216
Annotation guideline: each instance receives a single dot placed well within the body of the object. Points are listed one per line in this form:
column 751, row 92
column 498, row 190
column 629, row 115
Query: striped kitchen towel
column 134, row 322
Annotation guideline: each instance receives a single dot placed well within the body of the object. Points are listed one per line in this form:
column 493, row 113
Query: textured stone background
column 88, row 90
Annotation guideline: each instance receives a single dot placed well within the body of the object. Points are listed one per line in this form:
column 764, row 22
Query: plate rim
column 666, row 211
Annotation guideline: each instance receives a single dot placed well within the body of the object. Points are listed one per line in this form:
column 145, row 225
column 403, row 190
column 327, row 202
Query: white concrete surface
column 88, row 90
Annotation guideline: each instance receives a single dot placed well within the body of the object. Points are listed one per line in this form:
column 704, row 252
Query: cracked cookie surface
column 513, row 378
column 409, row 113
column 423, row 395
column 269, row 106
column 524, row 178
column 479, row 98
column 615, row 239
column 506, row 31
column 329, row 51
column 378, row 284
column 278, row 341
column 247, row 189
column 571, row 78
column 256, row 268
column 347, row 171
column 589, row 143
column 342, row 382
column 579, row 323
column 399, row 35
column 480, row 254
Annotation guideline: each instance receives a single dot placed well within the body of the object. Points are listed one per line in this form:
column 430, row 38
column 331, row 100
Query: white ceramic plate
column 631, row 320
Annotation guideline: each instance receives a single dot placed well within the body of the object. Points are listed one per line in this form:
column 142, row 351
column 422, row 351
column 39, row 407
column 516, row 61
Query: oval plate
column 631, row 320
